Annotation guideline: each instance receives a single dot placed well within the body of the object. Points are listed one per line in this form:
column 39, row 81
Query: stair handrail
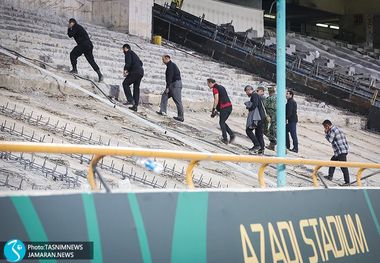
column 194, row 157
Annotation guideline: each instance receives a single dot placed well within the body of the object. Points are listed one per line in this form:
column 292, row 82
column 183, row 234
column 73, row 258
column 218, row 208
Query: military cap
column 271, row 89
column 261, row 88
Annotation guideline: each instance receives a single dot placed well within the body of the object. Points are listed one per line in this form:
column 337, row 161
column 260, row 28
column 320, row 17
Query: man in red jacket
column 222, row 104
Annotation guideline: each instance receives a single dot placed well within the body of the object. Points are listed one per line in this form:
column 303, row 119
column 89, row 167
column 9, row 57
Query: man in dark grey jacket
column 133, row 73
column 255, row 104
column 291, row 121
column 173, row 88
column 84, row 46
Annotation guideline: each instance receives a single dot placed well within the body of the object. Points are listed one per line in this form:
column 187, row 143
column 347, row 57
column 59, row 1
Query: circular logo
column 14, row 250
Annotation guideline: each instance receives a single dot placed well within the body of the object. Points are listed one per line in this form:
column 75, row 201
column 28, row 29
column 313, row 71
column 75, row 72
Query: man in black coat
column 173, row 89
column 291, row 121
column 255, row 103
column 133, row 73
column 84, row 46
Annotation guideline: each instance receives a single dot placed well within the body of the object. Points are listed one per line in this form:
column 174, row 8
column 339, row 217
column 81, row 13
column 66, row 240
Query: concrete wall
column 353, row 25
column 130, row 16
column 321, row 32
column 113, row 14
column 360, row 7
column 218, row 12
column 140, row 18
column 358, row 30
column 343, row 7
column 376, row 31
column 80, row 9
column 249, row 3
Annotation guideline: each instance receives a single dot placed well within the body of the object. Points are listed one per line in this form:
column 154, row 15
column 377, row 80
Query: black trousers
column 291, row 128
column 224, row 114
column 86, row 49
column 257, row 138
column 134, row 79
column 342, row 158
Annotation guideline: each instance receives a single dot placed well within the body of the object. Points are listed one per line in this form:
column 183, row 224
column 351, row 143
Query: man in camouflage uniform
column 260, row 90
column 270, row 104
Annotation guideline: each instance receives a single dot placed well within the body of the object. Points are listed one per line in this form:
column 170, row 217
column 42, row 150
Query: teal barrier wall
column 321, row 225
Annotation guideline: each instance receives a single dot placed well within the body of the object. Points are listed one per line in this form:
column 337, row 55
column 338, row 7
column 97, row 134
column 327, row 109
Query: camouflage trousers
column 270, row 129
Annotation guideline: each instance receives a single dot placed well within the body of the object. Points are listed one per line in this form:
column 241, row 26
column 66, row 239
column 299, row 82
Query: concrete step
column 46, row 36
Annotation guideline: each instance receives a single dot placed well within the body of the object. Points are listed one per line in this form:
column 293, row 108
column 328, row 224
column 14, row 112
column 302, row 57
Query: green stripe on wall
column 31, row 221
column 371, row 210
column 144, row 245
column 190, row 228
column 92, row 226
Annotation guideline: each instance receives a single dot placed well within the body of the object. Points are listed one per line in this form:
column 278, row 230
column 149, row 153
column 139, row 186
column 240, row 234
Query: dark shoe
column 293, row 150
column 271, row 146
column 254, row 148
column 328, row 177
column 161, row 113
column 100, row 75
column 74, row 71
column 225, row 141
column 128, row 103
column 232, row 138
column 261, row 151
column 178, row 119
column 346, row 184
column 134, row 108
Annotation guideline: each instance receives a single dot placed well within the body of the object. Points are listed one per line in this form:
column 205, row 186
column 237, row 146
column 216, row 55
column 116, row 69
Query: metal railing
column 365, row 89
column 100, row 151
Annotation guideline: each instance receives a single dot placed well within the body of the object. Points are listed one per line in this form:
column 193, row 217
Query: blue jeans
column 292, row 129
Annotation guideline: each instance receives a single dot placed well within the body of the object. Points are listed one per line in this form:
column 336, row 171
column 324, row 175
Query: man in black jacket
column 84, row 46
column 254, row 103
column 222, row 104
column 133, row 73
column 291, row 121
column 173, row 88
